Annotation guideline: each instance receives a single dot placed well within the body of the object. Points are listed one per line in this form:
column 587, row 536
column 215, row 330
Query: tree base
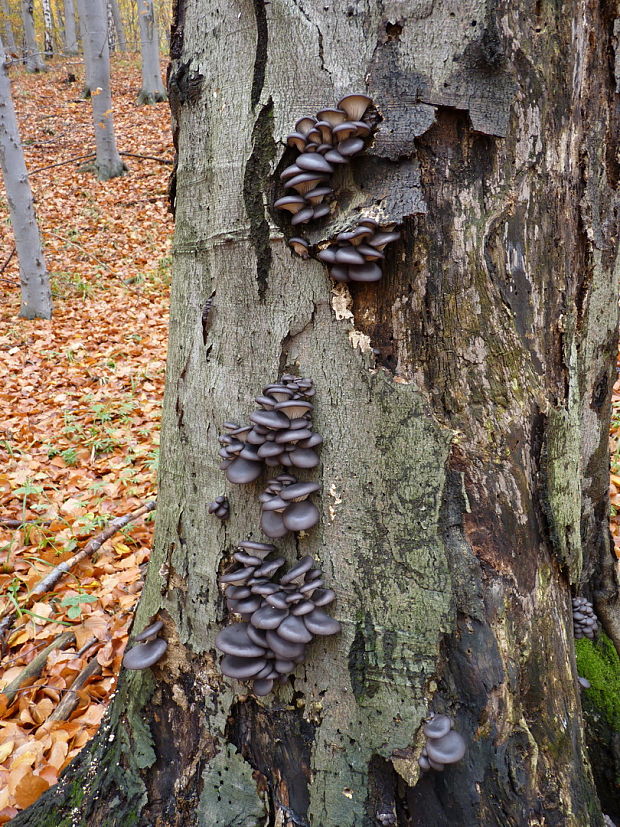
column 146, row 98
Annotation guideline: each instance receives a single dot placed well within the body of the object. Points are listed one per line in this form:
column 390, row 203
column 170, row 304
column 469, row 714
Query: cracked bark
column 464, row 470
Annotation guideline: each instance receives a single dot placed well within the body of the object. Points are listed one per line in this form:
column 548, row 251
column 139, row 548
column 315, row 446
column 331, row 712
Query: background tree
column 9, row 37
column 152, row 84
column 119, row 27
column 464, row 401
column 35, row 288
column 32, row 57
column 48, row 28
column 71, row 42
column 108, row 162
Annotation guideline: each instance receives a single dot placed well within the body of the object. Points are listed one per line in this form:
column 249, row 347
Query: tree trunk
column 9, row 37
column 32, row 57
column 35, row 288
column 118, row 25
column 71, row 43
column 48, row 26
column 152, row 85
column 111, row 29
column 463, row 400
column 85, row 48
column 108, row 162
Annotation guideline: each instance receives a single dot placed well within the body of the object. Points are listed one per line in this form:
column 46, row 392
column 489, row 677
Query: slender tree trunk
column 48, row 27
column 108, row 162
column 111, row 29
column 9, row 37
column 85, row 48
column 35, row 287
column 118, row 24
column 32, row 58
column 71, row 43
column 152, row 84
column 463, row 400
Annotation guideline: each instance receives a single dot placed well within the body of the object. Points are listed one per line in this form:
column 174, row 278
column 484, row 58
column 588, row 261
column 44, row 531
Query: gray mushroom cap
column 350, row 147
column 313, row 441
column 237, row 592
column 291, row 203
column 234, row 640
column 328, row 255
column 306, row 181
column 367, row 272
column 259, row 549
column 144, row 654
column 424, row 763
column 448, row 749
column 349, row 255
column 284, row 648
column 150, row 631
column 238, row 576
column 275, row 504
column 299, row 491
column 332, row 116
column 438, row 726
column 304, row 458
column 241, row 668
column 262, row 686
column 300, row 246
column 268, row 617
column 304, row 565
column 321, row 211
column 323, row 597
column 313, row 162
column 335, row 157
column 293, row 629
column 297, row 140
column 277, row 600
column 355, row 105
column 242, row 471
column 272, row 524
column 320, row 623
column 303, row 216
column 273, row 420
column 300, row 516
column 302, row 608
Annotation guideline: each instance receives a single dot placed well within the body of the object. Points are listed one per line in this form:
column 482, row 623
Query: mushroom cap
column 424, row 763
column 300, row 246
column 150, row 631
column 316, row 195
column 335, row 157
column 241, row 668
column 367, row 272
column 237, row 576
column 306, row 181
column 355, row 105
column 272, row 524
column 294, row 630
column 313, row 162
column 438, row 726
column 380, row 240
column 323, row 597
column 303, row 216
column 305, row 124
column 349, row 147
column 274, row 420
column 321, row 211
column 284, row 666
column 369, row 253
column 339, row 272
column 277, row 600
column 328, row 255
column 242, row 471
column 332, row 116
column 294, row 408
column 237, row 592
column 448, row 749
column 304, row 565
column 299, row 491
column 435, row 765
column 284, row 649
column 297, row 140
column 343, row 131
column 144, row 654
column 320, row 623
column 234, row 640
column 262, row 686
column 269, row 449
column 349, row 255
column 246, row 559
column 291, row 203
column 311, row 586
column 362, row 129
column 290, row 172
column 304, row 458
column 275, row 504
column 313, row 441
column 304, row 607
column 255, row 438
column 264, row 589
column 292, row 435
column 249, row 605
column 268, row 617
column 270, row 567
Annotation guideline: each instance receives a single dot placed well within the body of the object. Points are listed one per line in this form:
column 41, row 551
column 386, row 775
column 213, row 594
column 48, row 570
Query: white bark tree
column 152, row 84
column 97, row 54
column 48, row 26
column 118, row 25
column 9, row 37
column 35, row 287
column 111, row 29
column 71, row 43
column 32, row 57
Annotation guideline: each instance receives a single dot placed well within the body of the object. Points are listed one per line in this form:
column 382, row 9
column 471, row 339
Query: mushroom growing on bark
column 585, row 622
column 149, row 649
column 443, row 744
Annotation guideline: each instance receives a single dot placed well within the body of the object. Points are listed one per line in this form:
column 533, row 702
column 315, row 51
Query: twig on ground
column 35, row 667
column 6, row 522
column 70, row 699
column 50, row 580
column 62, row 163
column 148, row 157
column 6, row 264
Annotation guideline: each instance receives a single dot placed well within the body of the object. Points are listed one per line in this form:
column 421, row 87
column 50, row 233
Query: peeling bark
column 464, row 467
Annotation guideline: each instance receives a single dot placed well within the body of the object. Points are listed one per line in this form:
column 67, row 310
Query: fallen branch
column 51, row 579
column 10, row 523
column 62, row 163
column 148, row 157
column 35, row 667
column 6, row 264
column 70, row 699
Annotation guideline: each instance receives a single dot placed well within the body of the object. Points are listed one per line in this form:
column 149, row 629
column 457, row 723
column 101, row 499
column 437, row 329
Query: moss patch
column 598, row 661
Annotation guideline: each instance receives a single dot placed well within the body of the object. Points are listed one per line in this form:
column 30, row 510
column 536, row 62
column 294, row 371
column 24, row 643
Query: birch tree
column 48, row 28
column 118, row 24
column 108, row 162
column 36, row 300
column 32, row 57
column 71, row 41
column 464, row 402
column 9, row 37
column 152, row 84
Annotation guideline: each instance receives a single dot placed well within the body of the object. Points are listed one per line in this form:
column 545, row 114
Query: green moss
column 598, row 661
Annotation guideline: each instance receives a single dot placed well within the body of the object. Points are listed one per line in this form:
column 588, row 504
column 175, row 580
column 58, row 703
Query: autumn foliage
column 81, row 398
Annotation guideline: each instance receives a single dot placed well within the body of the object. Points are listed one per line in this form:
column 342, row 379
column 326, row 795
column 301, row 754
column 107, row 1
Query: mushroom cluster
column 443, row 744
column 149, row 650
column 279, row 617
column 356, row 255
column 220, row 507
column 280, row 433
column 285, row 506
column 585, row 622
column 324, row 142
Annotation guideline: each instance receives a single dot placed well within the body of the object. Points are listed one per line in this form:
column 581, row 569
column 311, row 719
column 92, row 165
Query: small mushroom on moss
column 585, row 622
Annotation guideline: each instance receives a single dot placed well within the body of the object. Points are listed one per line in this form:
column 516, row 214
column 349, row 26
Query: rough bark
column 32, row 57
column 118, row 25
column 71, row 43
column 152, row 85
column 465, row 465
column 9, row 37
column 36, row 298
column 108, row 162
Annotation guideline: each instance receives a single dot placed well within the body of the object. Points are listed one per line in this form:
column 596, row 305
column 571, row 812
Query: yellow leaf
column 6, row 749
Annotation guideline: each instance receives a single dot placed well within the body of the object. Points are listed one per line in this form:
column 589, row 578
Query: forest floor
column 81, row 397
